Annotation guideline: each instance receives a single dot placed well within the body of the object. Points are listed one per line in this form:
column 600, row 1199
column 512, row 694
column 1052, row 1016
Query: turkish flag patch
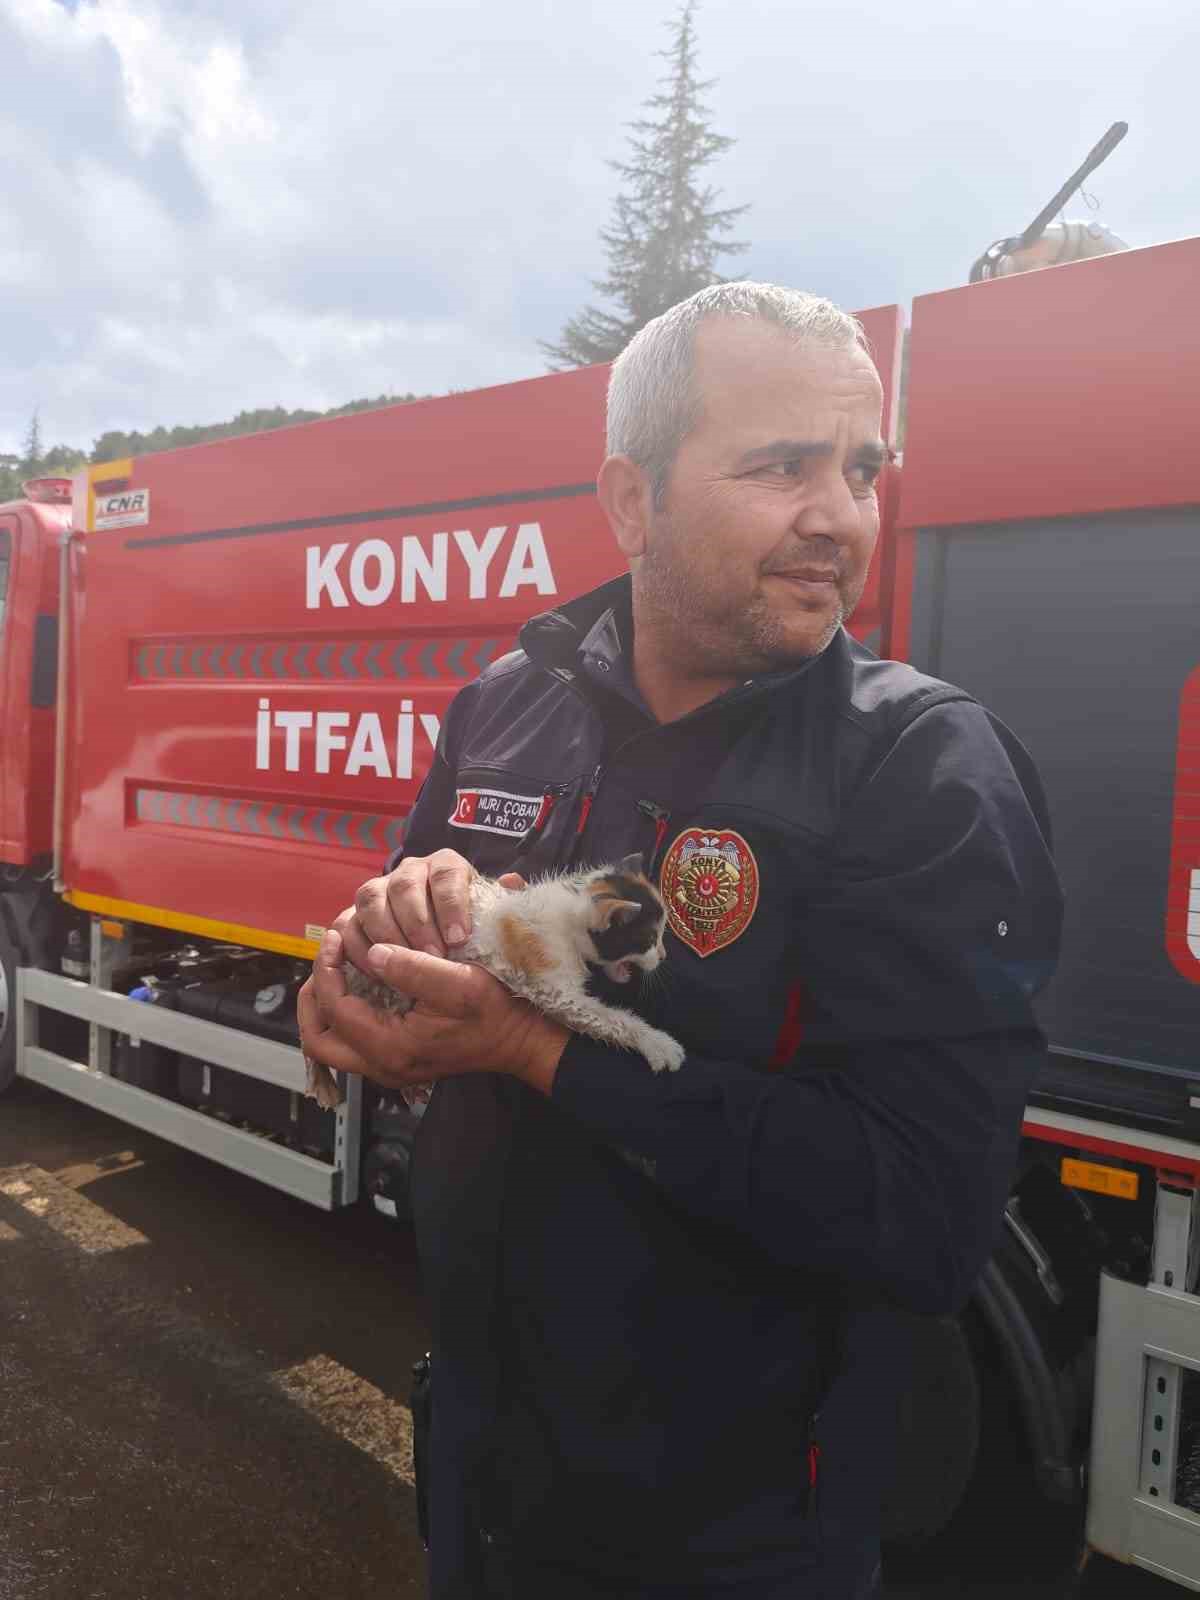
column 496, row 811
column 709, row 885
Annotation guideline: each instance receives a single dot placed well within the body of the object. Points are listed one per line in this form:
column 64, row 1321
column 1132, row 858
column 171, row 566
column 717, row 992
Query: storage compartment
column 144, row 1065
column 267, row 1009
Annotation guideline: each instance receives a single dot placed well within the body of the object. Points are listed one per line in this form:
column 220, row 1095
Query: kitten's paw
column 321, row 1085
column 371, row 990
column 379, row 996
column 663, row 1053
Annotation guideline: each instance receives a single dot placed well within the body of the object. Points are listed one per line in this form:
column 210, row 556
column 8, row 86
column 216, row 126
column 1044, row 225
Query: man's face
column 761, row 548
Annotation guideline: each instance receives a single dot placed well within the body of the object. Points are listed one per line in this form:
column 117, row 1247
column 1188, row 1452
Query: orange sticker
column 1101, row 1180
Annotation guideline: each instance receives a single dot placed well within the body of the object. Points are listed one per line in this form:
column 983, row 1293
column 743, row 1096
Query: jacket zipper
column 537, row 827
column 814, row 1466
column 660, row 818
column 585, row 811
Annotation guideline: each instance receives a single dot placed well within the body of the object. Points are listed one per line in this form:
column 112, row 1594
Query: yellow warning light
column 112, row 930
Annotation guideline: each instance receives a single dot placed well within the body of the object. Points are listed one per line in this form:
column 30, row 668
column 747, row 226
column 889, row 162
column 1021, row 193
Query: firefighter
column 666, row 1309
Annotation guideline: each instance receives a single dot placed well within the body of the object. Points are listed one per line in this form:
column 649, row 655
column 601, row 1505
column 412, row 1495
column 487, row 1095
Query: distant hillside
column 64, row 459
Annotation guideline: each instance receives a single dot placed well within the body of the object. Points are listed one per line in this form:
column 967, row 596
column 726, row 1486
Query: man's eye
column 864, row 476
column 784, row 469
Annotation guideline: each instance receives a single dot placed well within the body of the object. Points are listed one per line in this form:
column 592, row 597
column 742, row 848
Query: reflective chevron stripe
column 428, row 659
column 344, row 661
column 352, row 830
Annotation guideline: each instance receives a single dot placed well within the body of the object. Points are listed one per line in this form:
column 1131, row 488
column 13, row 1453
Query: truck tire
column 938, row 1434
column 9, row 961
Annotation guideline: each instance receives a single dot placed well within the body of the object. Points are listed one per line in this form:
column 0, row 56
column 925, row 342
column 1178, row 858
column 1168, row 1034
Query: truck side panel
column 1054, row 524
column 264, row 663
column 9, row 758
column 28, row 624
column 1057, row 393
column 1080, row 633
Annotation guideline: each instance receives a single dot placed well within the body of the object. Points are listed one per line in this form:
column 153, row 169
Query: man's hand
column 424, row 904
column 464, row 1021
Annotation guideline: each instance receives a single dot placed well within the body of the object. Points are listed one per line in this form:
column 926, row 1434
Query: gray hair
column 652, row 399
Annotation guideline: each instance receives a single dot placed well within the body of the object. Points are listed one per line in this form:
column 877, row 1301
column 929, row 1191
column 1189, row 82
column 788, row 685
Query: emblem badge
column 709, row 885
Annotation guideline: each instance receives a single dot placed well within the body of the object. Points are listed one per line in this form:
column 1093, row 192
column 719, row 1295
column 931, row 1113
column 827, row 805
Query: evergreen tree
column 31, row 459
column 35, row 462
column 10, row 478
column 666, row 232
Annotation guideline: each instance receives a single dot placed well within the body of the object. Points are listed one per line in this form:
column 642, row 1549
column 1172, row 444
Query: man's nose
column 828, row 509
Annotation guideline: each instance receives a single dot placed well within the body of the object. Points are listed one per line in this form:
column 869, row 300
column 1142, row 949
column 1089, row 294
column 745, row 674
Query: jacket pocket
column 506, row 821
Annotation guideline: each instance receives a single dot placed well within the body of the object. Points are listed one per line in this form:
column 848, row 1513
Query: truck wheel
column 9, row 960
column 938, row 1437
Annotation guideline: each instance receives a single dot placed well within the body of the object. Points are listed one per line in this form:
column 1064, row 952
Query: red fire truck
column 225, row 668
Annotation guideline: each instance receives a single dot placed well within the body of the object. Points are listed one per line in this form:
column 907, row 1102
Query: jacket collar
column 554, row 640
column 587, row 643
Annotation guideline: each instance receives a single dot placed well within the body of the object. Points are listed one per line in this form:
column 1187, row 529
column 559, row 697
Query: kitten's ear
column 615, row 912
column 633, row 866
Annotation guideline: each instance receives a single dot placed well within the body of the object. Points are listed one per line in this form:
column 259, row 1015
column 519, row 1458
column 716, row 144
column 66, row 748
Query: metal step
column 323, row 1184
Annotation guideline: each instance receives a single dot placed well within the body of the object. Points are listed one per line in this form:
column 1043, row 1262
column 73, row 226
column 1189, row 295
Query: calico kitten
column 542, row 941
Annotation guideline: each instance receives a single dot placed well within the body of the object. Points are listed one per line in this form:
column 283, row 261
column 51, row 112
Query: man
column 664, row 1305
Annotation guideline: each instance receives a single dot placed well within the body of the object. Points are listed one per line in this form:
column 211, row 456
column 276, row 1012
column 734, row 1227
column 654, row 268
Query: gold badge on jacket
column 709, row 885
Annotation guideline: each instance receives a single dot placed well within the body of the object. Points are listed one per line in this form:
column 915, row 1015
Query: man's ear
column 628, row 501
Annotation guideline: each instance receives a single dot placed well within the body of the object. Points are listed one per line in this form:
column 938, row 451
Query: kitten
column 540, row 941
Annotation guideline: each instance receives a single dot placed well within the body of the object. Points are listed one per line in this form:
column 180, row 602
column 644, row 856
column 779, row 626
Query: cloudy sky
column 211, row 205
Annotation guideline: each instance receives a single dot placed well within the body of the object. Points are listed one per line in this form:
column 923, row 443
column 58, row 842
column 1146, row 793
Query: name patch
column 495, row 811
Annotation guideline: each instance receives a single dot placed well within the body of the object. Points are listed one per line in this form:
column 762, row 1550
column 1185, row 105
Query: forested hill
column 62, row 459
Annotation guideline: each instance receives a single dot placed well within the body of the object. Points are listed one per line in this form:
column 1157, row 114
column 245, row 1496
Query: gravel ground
column 203, row 1392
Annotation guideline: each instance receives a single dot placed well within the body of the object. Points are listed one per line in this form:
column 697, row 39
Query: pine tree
column 31, row 460
column 666, row 232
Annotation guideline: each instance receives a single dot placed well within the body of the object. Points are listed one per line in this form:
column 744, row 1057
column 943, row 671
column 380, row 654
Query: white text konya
column 377, row 571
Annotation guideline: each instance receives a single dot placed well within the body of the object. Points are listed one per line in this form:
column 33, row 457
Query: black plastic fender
column 1047, row 1424
column 1037, row 1299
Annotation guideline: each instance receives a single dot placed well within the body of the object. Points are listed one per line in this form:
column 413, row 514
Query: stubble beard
column 712, row 635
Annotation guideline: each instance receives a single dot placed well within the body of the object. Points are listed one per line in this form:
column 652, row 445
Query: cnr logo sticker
column 127, row 508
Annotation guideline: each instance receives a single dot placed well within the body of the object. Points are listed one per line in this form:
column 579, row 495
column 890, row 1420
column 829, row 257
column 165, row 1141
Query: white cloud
column 178, row 77
column 209, row 205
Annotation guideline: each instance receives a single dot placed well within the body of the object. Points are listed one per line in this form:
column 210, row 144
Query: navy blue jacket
column 643, row 1286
